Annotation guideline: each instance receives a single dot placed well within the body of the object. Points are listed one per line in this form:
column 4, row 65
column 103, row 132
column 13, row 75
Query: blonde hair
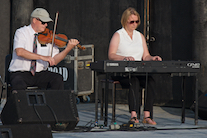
column 129, row 11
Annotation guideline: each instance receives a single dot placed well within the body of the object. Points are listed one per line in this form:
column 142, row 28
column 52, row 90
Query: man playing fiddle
column 30, row 60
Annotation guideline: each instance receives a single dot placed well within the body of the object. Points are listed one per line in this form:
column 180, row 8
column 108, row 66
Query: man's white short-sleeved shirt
column 24, row 38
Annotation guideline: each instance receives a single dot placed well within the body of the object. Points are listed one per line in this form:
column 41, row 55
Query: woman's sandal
column 148, row 120
column 134, row 120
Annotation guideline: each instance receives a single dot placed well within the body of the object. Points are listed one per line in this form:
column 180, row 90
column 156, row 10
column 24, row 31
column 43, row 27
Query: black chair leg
column 140, row 104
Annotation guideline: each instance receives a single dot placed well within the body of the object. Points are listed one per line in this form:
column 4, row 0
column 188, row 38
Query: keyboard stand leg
column 102, row 101
column 106, row 99
column 96, row 98
column 113, row 103
column 196, row 100
column 183, row 99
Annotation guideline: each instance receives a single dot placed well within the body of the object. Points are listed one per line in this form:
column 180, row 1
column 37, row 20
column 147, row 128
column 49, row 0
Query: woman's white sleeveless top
column 130, row 47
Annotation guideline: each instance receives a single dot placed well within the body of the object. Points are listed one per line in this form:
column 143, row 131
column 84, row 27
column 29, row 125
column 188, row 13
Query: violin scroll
column 81, row 47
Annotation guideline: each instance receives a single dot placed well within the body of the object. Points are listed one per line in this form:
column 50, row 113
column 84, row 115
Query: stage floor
column 168, row 124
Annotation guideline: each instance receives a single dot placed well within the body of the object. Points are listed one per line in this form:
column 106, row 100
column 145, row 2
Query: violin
column 59, row 39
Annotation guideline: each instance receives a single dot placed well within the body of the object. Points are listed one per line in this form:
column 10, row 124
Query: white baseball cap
column 42, row 14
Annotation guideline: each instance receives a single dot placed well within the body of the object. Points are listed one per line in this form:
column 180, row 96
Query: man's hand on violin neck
column 73, row 42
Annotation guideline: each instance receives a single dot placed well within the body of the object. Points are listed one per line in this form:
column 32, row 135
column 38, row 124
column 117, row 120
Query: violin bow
column 54, row 30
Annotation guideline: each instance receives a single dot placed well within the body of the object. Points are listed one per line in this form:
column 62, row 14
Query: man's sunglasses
column 131, row 22
column 41, row 21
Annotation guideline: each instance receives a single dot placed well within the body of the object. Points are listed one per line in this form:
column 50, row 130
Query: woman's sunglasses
column 131, row 22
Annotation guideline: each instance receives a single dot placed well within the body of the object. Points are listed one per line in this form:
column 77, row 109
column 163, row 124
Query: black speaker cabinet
column 54, row 107
column 202, row 106
column 26, row 131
